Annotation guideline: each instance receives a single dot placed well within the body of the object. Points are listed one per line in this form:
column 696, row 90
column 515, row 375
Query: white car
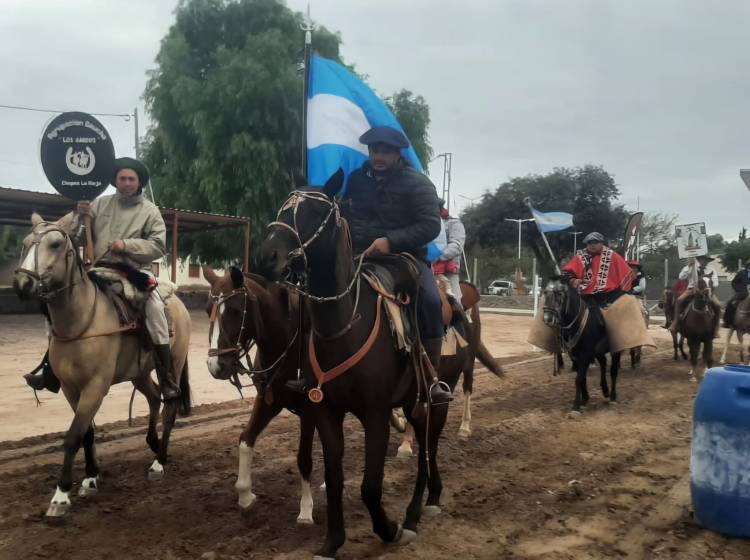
column 501, row 288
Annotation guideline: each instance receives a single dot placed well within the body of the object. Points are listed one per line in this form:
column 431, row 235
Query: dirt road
column 530, row 483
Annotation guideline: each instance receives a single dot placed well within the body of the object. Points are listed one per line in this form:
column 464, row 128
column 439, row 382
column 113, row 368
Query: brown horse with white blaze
column 90, row 350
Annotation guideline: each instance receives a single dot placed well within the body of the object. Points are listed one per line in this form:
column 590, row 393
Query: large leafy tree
column 226, row 99
column 413, row 113
column 589, row 193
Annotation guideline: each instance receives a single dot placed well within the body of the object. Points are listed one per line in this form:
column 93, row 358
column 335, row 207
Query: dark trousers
column 429, row 310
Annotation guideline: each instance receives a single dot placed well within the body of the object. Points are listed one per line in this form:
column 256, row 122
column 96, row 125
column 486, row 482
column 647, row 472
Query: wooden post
column 175, row 225
column 246, row 263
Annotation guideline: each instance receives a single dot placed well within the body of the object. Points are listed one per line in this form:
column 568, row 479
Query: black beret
column 385, row 135
column 131, row 163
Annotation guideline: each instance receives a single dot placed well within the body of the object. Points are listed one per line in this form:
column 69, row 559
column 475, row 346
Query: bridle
column 239, row 347
column 44, row 293
column 566, row 340
column 293, row 203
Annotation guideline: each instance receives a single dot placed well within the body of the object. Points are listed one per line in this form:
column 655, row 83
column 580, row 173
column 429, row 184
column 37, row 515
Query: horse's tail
column 186, row 401
column 483, row 355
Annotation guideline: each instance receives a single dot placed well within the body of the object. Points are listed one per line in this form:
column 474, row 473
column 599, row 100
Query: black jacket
column 402, row 207
column 741, row 281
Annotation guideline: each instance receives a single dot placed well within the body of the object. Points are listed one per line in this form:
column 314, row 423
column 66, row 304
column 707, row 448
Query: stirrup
column 297, row 385
column 439, row 393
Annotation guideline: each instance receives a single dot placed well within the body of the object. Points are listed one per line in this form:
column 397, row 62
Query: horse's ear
column 334, row 183
column 36, row 219
column 209, row 274
column 238, row 279
column 67, row 223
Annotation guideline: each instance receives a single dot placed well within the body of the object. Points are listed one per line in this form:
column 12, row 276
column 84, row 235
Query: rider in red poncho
column 599, row 273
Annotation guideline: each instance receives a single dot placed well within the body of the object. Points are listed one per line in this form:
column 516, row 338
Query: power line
column 126, row 116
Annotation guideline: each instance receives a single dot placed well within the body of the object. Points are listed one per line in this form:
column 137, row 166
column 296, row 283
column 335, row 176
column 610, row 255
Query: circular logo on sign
column 78, row 156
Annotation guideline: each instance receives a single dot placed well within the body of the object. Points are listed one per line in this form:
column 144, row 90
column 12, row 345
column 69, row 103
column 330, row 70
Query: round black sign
column 78, row 156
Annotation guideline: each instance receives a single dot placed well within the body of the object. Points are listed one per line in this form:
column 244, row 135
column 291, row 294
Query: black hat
column 385, row 135
column 131, row 163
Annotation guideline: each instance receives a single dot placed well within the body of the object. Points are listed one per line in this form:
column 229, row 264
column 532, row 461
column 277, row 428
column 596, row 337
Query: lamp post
column 447, row 163
column 575, row 235
column 519, row 221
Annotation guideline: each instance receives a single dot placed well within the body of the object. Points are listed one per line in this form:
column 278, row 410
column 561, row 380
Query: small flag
column 552, row 221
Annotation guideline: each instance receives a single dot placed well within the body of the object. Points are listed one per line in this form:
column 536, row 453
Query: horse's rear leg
column 674, row 343
column 405, row 450
column 414, row 509
column 614, row 370
column 602, row 359
column 464, row 430
column 304, row 464
column 438, row 416
column 149, row 390
column 85, row 410
column 377, row 428
column 168, row 416
column 727, row 342
column 262, row 414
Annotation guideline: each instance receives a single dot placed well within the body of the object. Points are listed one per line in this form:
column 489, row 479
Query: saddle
column 127, row 289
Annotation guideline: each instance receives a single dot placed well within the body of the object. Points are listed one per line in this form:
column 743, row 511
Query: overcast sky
column 656, row 92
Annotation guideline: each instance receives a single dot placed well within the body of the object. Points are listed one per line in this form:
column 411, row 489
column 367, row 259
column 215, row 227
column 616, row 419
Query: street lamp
column 447, row 163
column 575, row 235
column 519, row 221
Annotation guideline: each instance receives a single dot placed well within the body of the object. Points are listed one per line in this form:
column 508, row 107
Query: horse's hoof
column 431, row 511
column 692, row 379
column 407, row 536
column 323, row 485
column 89, row 487
column 156, row 471
column 246, row 500
column 305, row 521
column 573, row 414
column 464, row 433
column 319, row 557
column 613, row 403
column 59, row 505
column 404, row 453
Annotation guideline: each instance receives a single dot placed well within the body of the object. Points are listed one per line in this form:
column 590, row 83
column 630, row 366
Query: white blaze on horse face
column 244, row 484
column 213, row 361
column 305, row 504
column 28, row 261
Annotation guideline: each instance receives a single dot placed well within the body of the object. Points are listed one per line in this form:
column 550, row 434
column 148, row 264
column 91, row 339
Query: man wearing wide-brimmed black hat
column 395, row 209
column 129, row 234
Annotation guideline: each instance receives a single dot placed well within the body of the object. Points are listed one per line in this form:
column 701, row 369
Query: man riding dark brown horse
column 740, row 285
column 711, row 282
column 392, row 208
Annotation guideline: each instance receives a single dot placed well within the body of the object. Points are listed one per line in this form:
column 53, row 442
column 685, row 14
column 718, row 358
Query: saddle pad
column 542, row 336
column 127, row 290
column 452, row 341
column 625, row 326
column 396, row 314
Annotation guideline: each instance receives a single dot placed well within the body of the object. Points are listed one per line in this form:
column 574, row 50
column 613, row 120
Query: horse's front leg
column 81, row 428
column 602, row 359
column 377, row 429
column 438, row 416
column 727, row 342
column 582, row 366
column 614, row 370
column 305, row 464
column 708, row 356
column 414, row 509
column 330, row 426
column 464, row 431
column 405, row 450
column 694, row 346
column 262, row 414
column 676, row 346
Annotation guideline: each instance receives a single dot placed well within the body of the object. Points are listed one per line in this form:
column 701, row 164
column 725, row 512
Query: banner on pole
column 631, row 238
column 691, row 240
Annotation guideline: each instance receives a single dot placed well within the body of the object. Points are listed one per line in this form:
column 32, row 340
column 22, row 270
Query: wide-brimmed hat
column 131, row 163
column 385, row 135
column 593, row 237
column 706, row 257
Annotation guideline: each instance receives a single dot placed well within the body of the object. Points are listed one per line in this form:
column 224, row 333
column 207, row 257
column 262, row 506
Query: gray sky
column 656, row 92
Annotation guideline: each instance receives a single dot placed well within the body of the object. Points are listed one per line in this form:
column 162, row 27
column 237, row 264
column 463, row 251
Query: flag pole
column 527, row 201
column 308, row 28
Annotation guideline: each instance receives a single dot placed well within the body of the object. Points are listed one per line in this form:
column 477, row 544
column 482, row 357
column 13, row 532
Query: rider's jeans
column 429, row 310
column 156, row 319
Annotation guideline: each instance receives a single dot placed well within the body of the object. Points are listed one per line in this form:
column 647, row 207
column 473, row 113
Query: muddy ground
column 529, row 483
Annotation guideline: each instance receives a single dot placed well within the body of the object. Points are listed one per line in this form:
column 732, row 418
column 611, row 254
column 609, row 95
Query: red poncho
column 605, row 272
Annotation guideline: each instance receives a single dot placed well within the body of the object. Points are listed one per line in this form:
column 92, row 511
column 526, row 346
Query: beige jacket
column 136, row 221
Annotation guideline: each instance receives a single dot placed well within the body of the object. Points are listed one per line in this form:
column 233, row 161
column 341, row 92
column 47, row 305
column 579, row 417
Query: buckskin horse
column 90, row 350
column 353, row 353
column 582, row 334
column 244, row 310
column 741, row 326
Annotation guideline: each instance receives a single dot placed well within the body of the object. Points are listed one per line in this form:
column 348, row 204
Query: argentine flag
column 340, row 109
column 552, row 221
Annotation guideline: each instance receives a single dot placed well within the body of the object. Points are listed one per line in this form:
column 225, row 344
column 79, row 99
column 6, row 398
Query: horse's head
column 304, row 230
column 702, row 294
column 554, row 300
column 235, row 318
column 48, row 259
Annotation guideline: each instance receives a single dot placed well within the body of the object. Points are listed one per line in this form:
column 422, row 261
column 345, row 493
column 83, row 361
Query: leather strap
column 353, row 360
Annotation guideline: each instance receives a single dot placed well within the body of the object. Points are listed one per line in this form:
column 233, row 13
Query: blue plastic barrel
column 720, row 458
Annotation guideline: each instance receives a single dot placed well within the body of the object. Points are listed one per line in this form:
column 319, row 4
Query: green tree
column 413, row 113
column 226, row 99
column 589, row 193
column 734, row 252
column 10, row 243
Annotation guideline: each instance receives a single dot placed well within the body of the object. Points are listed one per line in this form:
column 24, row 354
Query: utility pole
column 149, row 190
column 447, row 163
column 519, row 221
column 575, row 235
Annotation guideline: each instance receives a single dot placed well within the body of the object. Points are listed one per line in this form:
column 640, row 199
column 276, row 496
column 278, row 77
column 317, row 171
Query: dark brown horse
column 678, row 341
column 697, row 325
column 310, row 242
column 246, row 310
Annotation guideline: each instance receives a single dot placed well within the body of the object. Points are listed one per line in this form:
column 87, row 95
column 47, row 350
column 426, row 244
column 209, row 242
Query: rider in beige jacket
column 129, row 230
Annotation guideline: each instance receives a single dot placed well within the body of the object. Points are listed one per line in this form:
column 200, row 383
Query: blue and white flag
column 552, row 221
column 340, row 109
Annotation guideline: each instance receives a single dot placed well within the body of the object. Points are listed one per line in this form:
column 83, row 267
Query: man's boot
column 45, row 380
column 675, row 326
column 439, row 393
column 169, row 388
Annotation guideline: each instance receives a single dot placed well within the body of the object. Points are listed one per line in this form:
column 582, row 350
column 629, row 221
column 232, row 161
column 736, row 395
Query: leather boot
column 439, row 393
column 169, row 389
column 45, row 380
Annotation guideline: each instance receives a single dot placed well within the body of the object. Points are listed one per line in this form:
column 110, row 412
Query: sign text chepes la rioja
column 77, row 155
